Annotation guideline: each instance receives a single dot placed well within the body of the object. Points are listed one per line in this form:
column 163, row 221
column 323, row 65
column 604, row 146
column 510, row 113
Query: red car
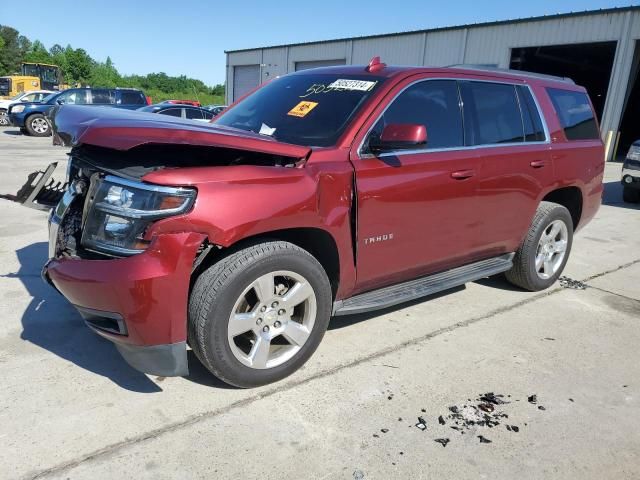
column 193, row 103
column 324, row 192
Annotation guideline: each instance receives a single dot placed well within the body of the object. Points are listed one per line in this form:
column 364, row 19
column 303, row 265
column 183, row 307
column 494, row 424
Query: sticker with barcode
column 346, row 84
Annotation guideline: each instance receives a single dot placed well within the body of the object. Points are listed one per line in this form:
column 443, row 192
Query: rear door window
column 432, row 103
column 196, row 114
column 102, row 97
column 575, row 114
column 493, row 111
column 132, row 97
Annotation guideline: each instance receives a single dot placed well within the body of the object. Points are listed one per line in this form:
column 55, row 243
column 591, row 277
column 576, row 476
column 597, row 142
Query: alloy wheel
column 40, row 125
column 552, row 248
column 272, row 319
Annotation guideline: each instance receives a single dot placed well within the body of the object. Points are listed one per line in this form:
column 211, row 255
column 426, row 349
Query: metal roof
column 602, row 11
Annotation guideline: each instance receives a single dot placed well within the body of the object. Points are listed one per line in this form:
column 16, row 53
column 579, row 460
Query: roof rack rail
column 510, row 71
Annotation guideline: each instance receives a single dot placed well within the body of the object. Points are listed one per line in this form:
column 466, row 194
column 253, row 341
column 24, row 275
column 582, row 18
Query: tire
column 229, row 286
column 4, row 118
column 524, row 273
column 630, row 195
column 37, row 125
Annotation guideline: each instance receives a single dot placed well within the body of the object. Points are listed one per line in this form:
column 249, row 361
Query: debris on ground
column 422, row 423
column 532, row 399
column 548, row 338
column 442, row 441
column 358, row 475
column 441, row 420
column 384, row 430
column 491, row 397
column 566, row 282
column 513, row 428
column 483, row 439
column 540, row 407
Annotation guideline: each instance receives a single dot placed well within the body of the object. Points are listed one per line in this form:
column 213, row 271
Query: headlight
column 634, row 153
column 17, row 109
column 120, row 212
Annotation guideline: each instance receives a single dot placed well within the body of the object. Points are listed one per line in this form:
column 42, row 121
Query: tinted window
column 533, row 129
column 575, row 114
column 494, row 112
column 303, row 108
column 132, row 97
column 71, row 97
column 434, row 104
column 196, row 114
column 174, row 112
column 102, row 97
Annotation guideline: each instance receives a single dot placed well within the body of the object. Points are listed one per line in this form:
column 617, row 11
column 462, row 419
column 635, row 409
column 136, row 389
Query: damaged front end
column 40, row 191
column 131, row 285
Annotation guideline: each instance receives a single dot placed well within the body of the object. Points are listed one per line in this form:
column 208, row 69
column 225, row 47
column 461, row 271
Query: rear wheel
column 258, row 315
column 630, row 195
column 37, row 125
column 545, row 250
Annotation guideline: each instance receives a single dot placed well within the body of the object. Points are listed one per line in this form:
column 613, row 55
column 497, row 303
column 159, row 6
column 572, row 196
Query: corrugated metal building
column 598, row 49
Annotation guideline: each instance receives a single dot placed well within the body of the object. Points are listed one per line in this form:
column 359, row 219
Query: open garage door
column 245, row 79
column 630, row 124
column 318, row 63
column 587, row 64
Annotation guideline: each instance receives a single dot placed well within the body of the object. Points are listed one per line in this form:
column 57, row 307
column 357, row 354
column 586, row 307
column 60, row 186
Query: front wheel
column 38, row 126
column 4, row 118
column 257, row 316
column 545, row 250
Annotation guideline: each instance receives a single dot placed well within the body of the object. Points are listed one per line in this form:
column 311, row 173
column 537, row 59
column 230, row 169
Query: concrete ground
column 70, row 407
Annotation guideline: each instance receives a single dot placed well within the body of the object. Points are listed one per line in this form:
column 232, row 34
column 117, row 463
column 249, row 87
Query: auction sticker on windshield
column 345, row 84
column 302, row 109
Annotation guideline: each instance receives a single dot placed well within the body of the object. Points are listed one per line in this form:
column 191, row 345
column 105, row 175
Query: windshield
column 16, row 97
column 309, row 109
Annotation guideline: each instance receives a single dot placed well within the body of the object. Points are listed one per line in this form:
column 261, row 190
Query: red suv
column 324, row 192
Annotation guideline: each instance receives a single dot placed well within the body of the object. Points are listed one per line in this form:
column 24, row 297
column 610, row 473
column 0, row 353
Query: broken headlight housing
column 120, row 211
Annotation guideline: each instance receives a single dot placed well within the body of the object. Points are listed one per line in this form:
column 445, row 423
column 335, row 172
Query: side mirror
column 399, row 136
column 60, row 101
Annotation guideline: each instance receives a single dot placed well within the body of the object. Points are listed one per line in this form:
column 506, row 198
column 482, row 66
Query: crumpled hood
column 125, row 129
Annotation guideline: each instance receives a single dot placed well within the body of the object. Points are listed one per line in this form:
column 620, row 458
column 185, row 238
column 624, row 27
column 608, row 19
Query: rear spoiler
column 40, row 191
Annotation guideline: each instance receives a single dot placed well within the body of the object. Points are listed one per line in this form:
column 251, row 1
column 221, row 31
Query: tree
column 10, row 55
column 38, row 53
column 79, row 65
column 105, row 75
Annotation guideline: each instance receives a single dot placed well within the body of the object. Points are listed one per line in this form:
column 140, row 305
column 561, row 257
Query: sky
column 189, row 37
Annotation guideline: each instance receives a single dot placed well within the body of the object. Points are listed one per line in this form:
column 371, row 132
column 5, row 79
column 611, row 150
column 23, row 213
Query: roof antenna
column 375, row 64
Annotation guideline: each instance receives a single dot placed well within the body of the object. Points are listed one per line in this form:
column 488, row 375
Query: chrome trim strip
column 397, row 153
column 148, row 186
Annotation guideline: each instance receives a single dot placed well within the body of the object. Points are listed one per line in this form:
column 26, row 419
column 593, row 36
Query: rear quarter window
column 575, row 114
column 129, row 97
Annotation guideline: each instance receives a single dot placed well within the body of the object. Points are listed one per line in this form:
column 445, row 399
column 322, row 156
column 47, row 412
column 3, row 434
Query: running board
column 421, row 287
